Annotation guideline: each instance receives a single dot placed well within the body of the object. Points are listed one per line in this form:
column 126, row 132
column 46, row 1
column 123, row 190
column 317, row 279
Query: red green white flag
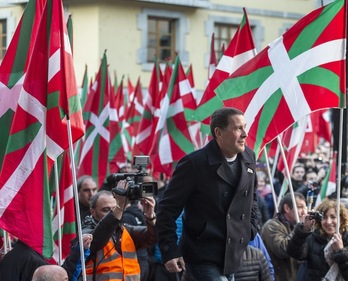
column 144, row 138
column 38, row 134
column 14, row 66
column 298, row 73
column 67, row 209
column 96, row 112
column 172, row 137
column 329, row 183
column 240, row 50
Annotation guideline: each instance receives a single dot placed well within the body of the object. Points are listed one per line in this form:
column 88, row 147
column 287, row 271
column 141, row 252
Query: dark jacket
column 310, row 246
column 109, row 226
column 219, row 218
column 20, row 263
column 255, row 266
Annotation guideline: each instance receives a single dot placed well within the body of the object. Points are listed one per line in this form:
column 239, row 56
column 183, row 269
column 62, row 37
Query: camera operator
column 317, row 242
column 114, row 245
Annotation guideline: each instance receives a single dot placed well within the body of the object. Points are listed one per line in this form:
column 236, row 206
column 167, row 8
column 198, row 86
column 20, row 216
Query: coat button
column 228, row 216
column 165, row 248
column 241, row 240
column 228, row 240
column 242, row 217
column 225, row 194
column 246, row 193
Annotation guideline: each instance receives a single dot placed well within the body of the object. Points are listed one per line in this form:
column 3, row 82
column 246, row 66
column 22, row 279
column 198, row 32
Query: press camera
column 317, row 216
column 136, row 188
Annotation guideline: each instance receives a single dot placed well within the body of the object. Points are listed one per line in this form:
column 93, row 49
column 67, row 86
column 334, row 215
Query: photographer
column 114, row 245
column 324, row 250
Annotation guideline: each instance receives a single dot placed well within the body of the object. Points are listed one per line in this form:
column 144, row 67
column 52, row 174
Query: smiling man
column 216, row 187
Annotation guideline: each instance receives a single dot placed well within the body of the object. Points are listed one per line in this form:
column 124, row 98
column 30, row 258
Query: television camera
column 136, row 188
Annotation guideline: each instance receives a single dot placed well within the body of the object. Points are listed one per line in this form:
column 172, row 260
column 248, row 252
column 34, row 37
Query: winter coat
column 310, row 246
column 220, row 217
column 255, row 266
column 276, row 234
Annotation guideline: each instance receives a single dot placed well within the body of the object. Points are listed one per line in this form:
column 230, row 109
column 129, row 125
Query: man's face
column 88, row 189
column 104, row 205
column 301, row 210
column 298, row 173
column 232, row 139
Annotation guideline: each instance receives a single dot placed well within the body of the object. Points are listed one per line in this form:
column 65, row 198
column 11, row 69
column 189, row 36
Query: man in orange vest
column 114, row 245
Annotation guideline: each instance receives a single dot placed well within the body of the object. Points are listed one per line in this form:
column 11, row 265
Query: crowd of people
column 218, row 218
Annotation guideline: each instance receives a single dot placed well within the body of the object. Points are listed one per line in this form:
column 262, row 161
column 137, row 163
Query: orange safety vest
column 111, row 266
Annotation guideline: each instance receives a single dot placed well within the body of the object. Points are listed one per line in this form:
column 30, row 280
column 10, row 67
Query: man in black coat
column 216, row 187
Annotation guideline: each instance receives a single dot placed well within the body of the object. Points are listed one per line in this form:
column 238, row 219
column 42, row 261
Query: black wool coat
column 219, row 218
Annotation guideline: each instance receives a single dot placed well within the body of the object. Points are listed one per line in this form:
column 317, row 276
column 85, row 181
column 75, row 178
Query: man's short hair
column 287, row 199
column 81, row 180
column 219, row 118
column 95, row 197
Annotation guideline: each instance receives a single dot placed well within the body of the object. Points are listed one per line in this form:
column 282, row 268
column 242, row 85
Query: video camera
column 136, row 189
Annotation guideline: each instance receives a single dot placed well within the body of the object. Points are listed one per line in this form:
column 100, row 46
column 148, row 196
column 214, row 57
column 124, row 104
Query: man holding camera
column 277, row 232
column 216, row 187
column 114, row 245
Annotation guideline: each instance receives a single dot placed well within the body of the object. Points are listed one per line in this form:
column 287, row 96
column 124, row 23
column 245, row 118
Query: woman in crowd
column 317, row 242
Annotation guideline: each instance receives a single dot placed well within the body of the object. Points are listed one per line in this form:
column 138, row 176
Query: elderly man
column 50, row 273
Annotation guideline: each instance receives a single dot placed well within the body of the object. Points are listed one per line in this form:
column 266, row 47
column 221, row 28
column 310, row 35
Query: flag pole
column 58, row 213
column 340, row 138
column 78, row 221
column 271, row 181
column 339, row 170
column 287, row 174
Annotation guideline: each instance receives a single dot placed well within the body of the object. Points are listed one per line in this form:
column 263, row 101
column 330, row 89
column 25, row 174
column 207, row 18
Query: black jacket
column 255, row 266
column 20, row 263
column 219, row 218
column 310, row 246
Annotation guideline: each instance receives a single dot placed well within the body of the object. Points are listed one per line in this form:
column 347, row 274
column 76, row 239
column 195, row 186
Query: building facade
column 133, row 31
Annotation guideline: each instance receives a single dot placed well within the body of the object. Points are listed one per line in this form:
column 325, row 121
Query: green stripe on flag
column 312, row 31
column 323, row 78
column 22, row 138
column 23, row 44
column 176, row 134
column 267, row 115
column 47, row 250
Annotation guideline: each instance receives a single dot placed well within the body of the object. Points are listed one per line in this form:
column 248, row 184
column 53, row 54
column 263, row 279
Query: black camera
column 136, row 188
column 317, row 216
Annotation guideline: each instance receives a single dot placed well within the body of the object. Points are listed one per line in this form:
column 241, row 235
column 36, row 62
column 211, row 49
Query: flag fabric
column 119, row 137
column 95, row 147
column 14, row 66
column 69, row 26
column 67, row 209
column 212, row 58
column 318, row 128
column 133, row 116
column 146, row 127
column 298, row 73
column 172, row 137
column 38, row 134
column 329, row 183
column 292, row 140
column 240, row 50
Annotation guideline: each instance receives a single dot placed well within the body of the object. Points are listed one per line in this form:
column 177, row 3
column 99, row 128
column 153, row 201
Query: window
column 223, row 34
column 3, row 38
column 163, row 32
column 161, row 39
